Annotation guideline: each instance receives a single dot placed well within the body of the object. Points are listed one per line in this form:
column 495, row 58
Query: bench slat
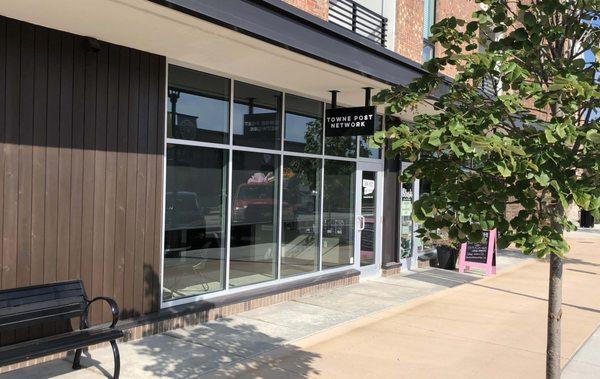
column 26, row 306
column 74, row 293
column 12, row 293
column 56, row 344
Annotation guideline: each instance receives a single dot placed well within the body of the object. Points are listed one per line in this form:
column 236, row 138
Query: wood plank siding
column 81, row 160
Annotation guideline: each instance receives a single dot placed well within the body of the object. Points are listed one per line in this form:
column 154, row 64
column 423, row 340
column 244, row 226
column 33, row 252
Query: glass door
column 368, row 219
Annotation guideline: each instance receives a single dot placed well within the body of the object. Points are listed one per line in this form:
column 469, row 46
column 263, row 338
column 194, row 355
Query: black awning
column 280, row 24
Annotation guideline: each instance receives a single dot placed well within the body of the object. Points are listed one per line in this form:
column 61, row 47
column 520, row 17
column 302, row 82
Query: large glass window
column 338, row 213
column 291, row 211
column 194, row 250
column 198, row 106
column 254, row 214
column 256, row 116
column 300, row 215
column 303, row 125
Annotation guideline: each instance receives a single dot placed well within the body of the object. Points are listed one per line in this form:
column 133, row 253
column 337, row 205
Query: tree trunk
column 554, row 317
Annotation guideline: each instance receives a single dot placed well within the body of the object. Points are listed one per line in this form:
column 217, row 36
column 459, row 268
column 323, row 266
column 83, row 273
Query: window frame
column 432, row 6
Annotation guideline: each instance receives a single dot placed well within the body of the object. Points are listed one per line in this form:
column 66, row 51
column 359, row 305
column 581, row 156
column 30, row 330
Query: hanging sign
column 357, row 121
column 481, row 255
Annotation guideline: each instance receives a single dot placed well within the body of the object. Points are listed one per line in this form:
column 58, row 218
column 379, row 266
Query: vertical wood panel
column 81, row 165
column 2, row 131
column 109, row 263
column 39, row 155
column 132, row 125
column 64, row 157
column 52, row 140
column 11, row 154
column 25, row 156
column 76, row 203
column 151, row 189
column 89, row 136
column 40, row 92
column 99, row 178
column 121, row 199
column 141, row 195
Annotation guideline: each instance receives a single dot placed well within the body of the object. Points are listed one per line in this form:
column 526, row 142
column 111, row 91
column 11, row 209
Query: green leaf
column 472, row 26
column 520, row 34
column 434, row 138
column 456, row 150
column 543, row 179
column 593, row 136
column 549, row 137
column 504, row 171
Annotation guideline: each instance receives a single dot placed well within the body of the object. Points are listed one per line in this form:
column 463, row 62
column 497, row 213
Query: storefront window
column 291, row 211
column 254, row 211
column 194, row 250
column 300, row 215
column 198, row 106
column 303, row 125
column 338, row 213
column 256, row 117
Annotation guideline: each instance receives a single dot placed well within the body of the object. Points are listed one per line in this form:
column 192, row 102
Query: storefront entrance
column 369, row 203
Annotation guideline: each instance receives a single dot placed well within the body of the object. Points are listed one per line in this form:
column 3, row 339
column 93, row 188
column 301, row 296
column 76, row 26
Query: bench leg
column 76, row 364
column 117, row 356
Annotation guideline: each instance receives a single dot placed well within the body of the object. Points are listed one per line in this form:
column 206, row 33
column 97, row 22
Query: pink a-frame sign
column 480, row 255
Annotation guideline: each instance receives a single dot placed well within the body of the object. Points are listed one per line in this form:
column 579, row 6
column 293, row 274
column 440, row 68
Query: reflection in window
column 429, row 9
column 194, row 249
column 256, row 117
column 303, row 124
column 368, row 203
column 253, row 218
column 300, row 215
column 198, row 106
column 338, row 213
column 406, row 222
column 365, row 150
column 344, row 146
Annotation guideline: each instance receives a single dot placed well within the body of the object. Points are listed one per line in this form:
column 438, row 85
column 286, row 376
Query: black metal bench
column 42, row 304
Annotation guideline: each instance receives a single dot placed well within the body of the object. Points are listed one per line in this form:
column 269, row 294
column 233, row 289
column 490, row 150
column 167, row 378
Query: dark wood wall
column 391, row 210
column 81, row 160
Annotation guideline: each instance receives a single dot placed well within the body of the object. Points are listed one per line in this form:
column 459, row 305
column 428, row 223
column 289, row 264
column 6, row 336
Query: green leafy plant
column 516, row 125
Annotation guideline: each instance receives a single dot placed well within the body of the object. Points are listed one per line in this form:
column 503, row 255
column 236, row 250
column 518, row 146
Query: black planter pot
column 447, row 257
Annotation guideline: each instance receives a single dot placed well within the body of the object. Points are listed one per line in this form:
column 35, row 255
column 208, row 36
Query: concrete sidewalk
column 429, row 323
column 586, row 361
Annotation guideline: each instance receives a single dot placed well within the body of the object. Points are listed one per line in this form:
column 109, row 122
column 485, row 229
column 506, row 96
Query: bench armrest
column 114, row 308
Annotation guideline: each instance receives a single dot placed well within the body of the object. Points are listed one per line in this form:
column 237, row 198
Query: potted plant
column 447, row 253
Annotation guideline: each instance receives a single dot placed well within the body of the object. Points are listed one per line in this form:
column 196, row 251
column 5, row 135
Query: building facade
column 172, row 153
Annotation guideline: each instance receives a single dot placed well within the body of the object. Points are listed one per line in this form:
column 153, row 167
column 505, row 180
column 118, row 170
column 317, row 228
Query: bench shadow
column 222, row 349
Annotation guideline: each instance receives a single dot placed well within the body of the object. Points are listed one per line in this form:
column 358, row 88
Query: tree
column 514, row 126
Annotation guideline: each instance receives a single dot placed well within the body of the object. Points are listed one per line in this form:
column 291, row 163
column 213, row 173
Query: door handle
column 361, row 223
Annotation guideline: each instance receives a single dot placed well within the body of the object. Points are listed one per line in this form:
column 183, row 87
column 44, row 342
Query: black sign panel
column 478, row 252
column 357, row 121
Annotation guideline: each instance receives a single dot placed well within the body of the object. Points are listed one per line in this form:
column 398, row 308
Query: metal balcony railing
column 358, row 18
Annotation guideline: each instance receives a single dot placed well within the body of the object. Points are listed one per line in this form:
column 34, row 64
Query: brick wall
column 319, row 8
column 409, row 24
column 409, row 29
column 462, row 9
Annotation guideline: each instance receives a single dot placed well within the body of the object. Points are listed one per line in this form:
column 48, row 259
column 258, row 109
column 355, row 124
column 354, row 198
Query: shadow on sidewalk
column 588, row 309
column 216, row 350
